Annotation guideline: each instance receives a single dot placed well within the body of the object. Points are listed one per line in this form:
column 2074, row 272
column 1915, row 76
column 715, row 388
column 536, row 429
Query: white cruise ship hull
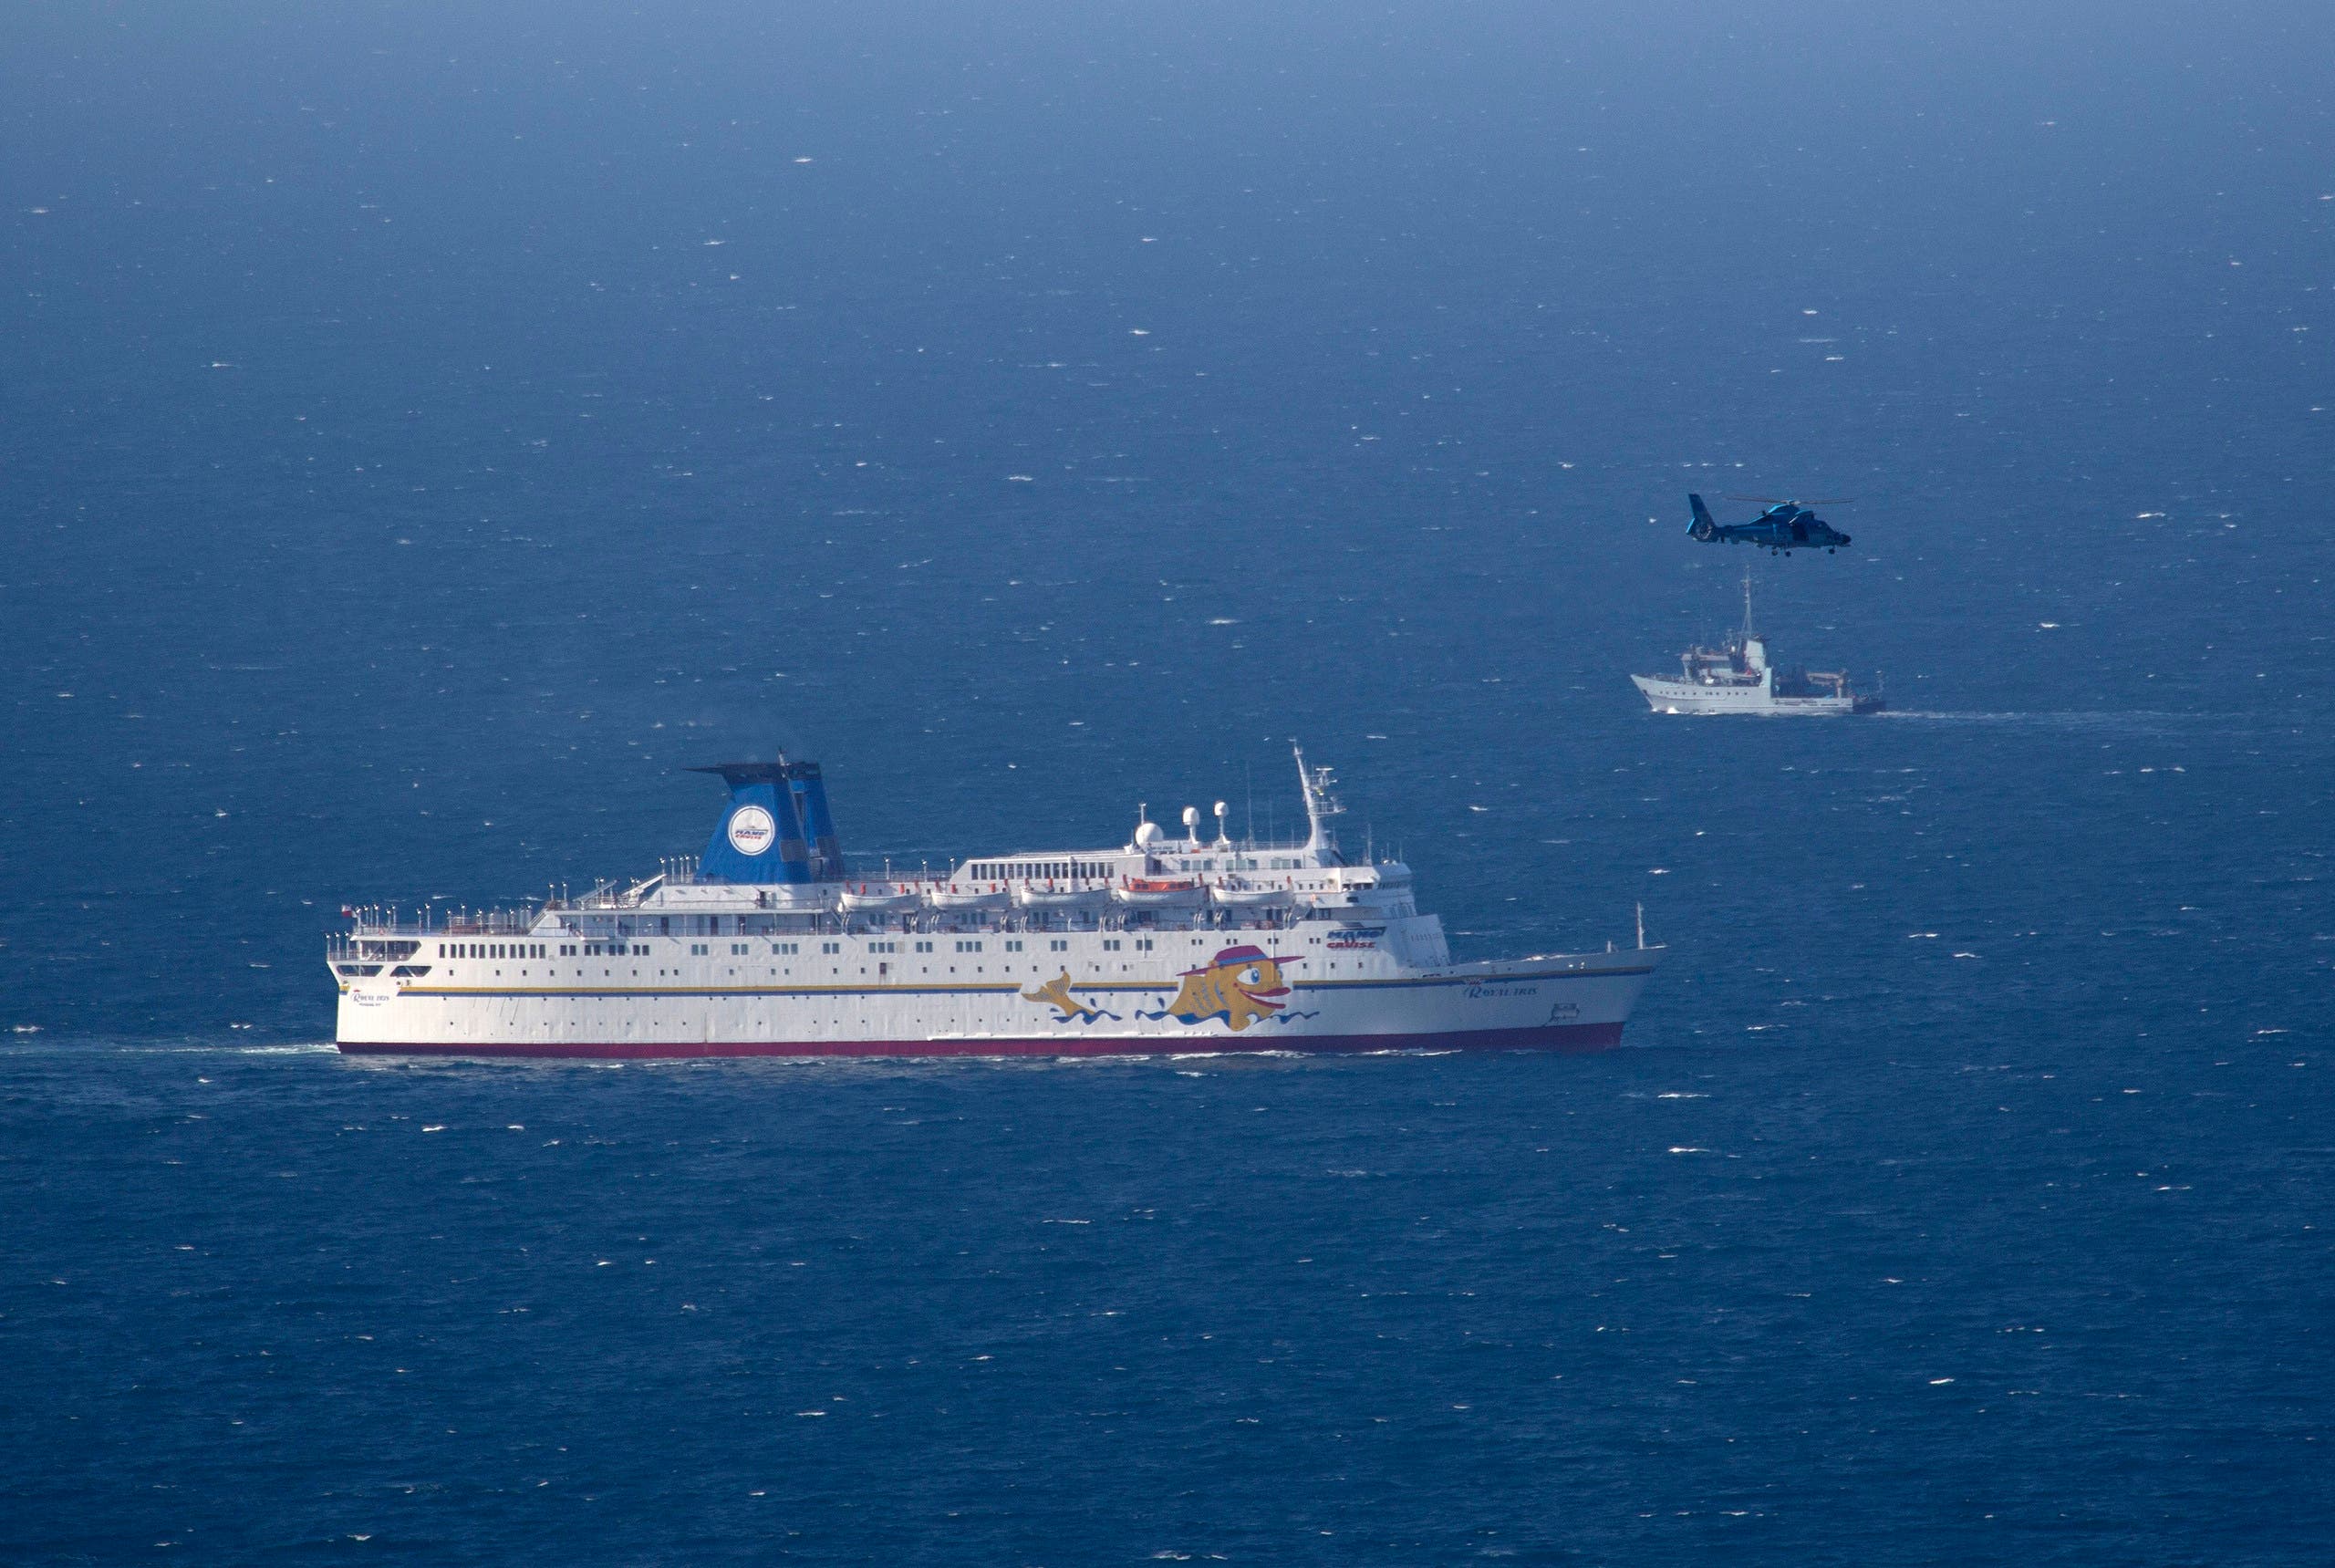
column 767, row 947
column 1556, row 1004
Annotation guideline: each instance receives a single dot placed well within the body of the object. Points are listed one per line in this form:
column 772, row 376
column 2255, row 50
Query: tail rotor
column 1703, row 527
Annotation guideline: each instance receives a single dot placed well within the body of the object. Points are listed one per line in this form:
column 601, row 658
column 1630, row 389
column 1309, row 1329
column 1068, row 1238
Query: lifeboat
column 968, row 895
column 1161, row 892
column 1236, row 895
column 876, row 897
column 1058, row 895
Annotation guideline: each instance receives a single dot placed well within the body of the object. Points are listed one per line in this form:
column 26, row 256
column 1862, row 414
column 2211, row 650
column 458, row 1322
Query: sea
column 427, row 431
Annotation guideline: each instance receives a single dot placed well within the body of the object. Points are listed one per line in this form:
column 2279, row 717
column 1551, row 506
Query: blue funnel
column 759, row 839
column 818, row 828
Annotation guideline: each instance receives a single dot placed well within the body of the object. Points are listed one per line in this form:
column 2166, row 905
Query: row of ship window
column 962, row 945
column 1051, row 870
column 727, row 926
column 737, row 950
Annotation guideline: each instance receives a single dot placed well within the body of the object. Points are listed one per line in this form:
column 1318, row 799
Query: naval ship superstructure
column 768, row 944
column 1738, row 678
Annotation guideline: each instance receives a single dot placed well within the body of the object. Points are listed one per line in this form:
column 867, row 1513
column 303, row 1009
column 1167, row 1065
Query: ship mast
column 1747, row 604
column 1320, row 838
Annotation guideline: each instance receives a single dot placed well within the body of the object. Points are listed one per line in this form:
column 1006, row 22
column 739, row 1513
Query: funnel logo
column 751, row 830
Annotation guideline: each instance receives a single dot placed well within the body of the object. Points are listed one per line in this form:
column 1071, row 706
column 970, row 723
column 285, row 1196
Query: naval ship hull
column 1691, row 697
column 1566, row 1004
column 1738, row 678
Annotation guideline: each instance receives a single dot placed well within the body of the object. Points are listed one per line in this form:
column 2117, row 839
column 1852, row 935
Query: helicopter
column 1783, row 527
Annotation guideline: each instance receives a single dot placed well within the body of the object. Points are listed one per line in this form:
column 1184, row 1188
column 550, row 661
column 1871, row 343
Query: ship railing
column 382, row 925
column 999, row 922
column 497, row 922
column 385, row 925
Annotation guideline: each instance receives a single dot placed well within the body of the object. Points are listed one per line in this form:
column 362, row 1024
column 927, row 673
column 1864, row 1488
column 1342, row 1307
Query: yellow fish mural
column 1056, row 992
column 1237, row 987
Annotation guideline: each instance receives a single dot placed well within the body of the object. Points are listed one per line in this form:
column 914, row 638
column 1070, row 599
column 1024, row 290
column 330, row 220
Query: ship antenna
column 1747, row 604
column 1640, row 925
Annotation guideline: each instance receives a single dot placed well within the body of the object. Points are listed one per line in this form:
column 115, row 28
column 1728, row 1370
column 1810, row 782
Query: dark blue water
column 424, row 434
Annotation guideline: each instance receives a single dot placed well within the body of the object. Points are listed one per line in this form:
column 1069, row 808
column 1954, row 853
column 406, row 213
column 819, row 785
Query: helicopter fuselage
column 1783, row 527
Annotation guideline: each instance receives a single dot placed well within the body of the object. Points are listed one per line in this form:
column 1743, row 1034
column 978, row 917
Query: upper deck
column 1152, row 882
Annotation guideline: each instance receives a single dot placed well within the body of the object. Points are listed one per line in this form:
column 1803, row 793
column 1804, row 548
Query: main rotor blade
column 1794, row 501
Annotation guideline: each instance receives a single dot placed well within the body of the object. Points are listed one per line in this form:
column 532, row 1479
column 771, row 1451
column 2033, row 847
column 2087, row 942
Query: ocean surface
column 426, row 432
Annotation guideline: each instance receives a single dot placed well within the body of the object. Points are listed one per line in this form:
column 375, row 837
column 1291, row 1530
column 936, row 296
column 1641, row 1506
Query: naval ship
column 768, row 944
column 1737, row 677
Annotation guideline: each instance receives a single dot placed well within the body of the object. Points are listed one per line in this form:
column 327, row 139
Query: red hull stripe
column 1558, row 1037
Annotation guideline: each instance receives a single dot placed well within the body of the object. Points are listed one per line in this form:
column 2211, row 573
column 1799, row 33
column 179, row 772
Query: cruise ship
column 1738, row 678
column 770, row 944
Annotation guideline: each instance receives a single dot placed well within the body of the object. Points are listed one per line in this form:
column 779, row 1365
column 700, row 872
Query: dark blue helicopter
column 1785, row 526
